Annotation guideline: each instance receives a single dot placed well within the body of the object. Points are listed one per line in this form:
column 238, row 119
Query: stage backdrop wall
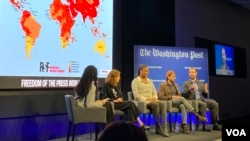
column 160, row 59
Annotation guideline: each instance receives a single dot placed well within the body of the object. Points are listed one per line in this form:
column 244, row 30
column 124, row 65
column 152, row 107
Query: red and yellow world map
column 64, row 13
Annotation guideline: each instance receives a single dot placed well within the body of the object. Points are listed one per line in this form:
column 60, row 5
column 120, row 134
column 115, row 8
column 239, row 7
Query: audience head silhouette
column 122, row 131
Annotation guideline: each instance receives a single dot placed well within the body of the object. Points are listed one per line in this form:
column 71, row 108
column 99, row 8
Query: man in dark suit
column 194, row 89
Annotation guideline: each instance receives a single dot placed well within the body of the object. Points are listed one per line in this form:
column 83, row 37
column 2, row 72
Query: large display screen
column 48, row 43
column 160, row 59
column 224, row 59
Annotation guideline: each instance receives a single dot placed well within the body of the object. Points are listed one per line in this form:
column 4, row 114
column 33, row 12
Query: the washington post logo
column 44, row 66
column 240, row 132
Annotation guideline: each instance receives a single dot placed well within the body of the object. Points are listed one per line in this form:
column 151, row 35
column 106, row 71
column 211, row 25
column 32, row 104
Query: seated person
column 85, row 92
column 122, row 131
column 111, row 90
column 169, row 90
column 144, row 90
column 194, row 89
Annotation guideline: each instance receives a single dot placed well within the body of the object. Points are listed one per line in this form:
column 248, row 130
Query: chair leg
column 97, row 129
column 149, row 117
column 190, row 121
column 175, row 120
column 197, row 123
column 143, row 116
column 170, row 122
column 74, row 132
column 69, row 128
column 90, row 135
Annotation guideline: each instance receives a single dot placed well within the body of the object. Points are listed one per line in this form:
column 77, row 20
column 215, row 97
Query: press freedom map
column 55, row 38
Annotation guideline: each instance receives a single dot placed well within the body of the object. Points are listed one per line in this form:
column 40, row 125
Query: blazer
column 189, row 94
column 107, row 92
column 164, row 91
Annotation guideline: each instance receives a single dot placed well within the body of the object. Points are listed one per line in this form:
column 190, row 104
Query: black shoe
column 143, row 127
column 159, row 132
column 217, row 127
column 207, row 129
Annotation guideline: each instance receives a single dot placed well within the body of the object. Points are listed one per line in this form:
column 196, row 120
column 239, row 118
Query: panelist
column 169, row 90
column 194, row 89
column 111, row 90
column 86, row 91
column 144, row 90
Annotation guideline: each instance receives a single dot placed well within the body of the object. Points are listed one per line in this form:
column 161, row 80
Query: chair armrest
column 116, row 112
column 130, row 96
column 136, row 102
column 142, row 106
column 112, row 105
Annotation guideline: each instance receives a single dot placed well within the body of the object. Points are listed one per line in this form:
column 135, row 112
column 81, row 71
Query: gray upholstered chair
column 115, row 112
column 172, row 110
column 118, row 113
column 77, row 115
column 142, row 106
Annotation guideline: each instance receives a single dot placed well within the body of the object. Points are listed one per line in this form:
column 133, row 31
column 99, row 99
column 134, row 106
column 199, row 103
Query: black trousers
column 109, row 112
column 129, row 108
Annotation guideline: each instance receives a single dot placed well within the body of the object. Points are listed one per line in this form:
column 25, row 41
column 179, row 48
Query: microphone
column 193, row 87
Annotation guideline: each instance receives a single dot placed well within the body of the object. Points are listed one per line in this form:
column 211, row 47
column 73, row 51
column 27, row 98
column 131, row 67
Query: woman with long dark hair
column 86, row 91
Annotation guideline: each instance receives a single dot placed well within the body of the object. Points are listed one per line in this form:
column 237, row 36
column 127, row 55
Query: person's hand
column 101, row 101
column 206, row 87
column 119, row 99
column 192, row 87
column 175, row 96
column 153, row 99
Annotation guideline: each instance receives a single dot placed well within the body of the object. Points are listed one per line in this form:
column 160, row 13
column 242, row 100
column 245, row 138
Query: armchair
column 142, row 106
column 115, row 112
column 77, row 115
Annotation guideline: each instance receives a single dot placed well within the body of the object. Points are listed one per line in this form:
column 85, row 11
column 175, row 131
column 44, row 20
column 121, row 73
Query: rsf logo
column 44, row 66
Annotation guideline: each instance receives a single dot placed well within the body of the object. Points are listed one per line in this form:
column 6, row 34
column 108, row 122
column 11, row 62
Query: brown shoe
column 201, row 118
column 186, row 130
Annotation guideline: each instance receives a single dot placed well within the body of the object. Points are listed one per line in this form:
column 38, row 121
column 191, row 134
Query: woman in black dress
column 112, row 91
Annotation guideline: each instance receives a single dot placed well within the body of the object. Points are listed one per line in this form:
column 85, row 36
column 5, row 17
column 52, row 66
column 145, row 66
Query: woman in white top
column 85, row 92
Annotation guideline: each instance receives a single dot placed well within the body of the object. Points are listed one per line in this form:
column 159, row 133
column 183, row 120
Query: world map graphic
column 62, row 33
column 64, row 14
